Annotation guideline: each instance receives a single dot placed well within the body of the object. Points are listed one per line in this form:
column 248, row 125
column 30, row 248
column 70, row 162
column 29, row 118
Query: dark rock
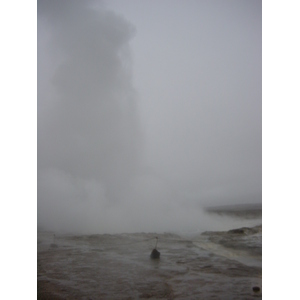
column 256, row 289
column 155, row 254
column 237, row 231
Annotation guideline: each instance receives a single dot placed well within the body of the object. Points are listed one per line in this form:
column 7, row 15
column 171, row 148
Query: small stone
column 155, row 254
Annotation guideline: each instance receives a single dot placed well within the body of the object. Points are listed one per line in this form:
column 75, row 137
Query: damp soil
column 120, row 266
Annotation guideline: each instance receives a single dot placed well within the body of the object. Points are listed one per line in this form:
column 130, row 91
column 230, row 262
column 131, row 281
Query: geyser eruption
column 100, row 170
column 88, row 129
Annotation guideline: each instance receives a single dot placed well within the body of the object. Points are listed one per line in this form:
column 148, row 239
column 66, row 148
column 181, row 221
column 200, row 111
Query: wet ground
column 213, row 265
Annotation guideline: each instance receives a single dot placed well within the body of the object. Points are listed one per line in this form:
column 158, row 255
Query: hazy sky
column 147, row 111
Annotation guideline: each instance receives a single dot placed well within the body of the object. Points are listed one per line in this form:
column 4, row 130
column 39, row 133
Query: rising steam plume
column 88, row 129
column 110, row 160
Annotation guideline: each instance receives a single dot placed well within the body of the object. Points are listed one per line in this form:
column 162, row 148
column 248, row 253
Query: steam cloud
column 88, row 136
column 89, row 142
column 91, row 152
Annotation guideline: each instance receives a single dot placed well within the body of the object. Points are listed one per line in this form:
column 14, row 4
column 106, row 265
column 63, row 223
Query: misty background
column 147, row 113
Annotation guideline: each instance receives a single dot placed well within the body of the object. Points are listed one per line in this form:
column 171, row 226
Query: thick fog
column 148, row 111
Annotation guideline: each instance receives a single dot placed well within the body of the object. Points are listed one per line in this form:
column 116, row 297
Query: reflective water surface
column 211, row 265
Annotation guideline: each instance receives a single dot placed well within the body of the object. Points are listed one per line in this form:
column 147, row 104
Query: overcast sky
column 147, row 111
